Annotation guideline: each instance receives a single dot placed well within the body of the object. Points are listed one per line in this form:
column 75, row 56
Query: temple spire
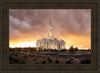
column 50, row 32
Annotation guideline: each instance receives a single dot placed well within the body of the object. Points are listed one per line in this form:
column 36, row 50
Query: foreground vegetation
column 33, row 56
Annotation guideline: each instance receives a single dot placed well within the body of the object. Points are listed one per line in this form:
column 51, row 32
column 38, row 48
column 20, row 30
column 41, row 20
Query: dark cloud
column 36, row 22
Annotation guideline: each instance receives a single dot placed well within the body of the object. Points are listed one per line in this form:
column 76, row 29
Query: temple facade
column 51, row 42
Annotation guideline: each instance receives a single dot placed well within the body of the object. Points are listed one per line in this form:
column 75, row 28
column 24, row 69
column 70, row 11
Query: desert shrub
column 37, row 56
column 85, row 61
column 43, row 62
column 43, row 56
column 57, row 61
column 15, row 61
column 49, row 60
column 22, row 53
column 16, row 55
column 25, row 57
column 30, row 55
column 68, row 62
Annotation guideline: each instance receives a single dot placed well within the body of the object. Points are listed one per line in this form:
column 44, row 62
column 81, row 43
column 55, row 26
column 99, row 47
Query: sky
column 28, row 25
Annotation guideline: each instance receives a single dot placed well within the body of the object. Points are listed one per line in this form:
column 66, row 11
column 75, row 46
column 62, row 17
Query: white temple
column 51, row 42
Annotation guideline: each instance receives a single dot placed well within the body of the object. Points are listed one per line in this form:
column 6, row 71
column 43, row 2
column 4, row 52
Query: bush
column 16, row 55
column 57, row 61
column 49, row 60
column 24, row 56
column 68, row 62
column 22, row 53
column 37, row 56
column 43, row 62
column 43, row 56
column 30, row 55
column 85, row 61
column 15, row 61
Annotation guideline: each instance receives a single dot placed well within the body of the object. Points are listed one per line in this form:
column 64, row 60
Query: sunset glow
column 23, row 44
column 76, row 41
column 26, row 26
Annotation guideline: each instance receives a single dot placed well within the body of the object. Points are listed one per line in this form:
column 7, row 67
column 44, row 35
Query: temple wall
column 46, row 43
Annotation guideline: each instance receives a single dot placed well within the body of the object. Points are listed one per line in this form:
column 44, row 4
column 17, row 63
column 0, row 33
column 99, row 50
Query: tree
column 45, row 49
column 63, row 50
column 71, row 51
column 89, row 50
column 76, row 49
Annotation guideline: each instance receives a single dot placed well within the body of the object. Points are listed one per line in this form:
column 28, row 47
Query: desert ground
column 26, row 56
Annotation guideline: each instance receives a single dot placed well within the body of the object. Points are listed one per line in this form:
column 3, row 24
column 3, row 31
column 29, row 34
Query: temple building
column 51, row 42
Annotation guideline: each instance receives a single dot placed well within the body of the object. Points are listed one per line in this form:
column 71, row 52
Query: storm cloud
column 35, row 22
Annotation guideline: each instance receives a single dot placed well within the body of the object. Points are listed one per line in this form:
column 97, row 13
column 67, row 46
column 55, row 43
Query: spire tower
column 50, row 32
